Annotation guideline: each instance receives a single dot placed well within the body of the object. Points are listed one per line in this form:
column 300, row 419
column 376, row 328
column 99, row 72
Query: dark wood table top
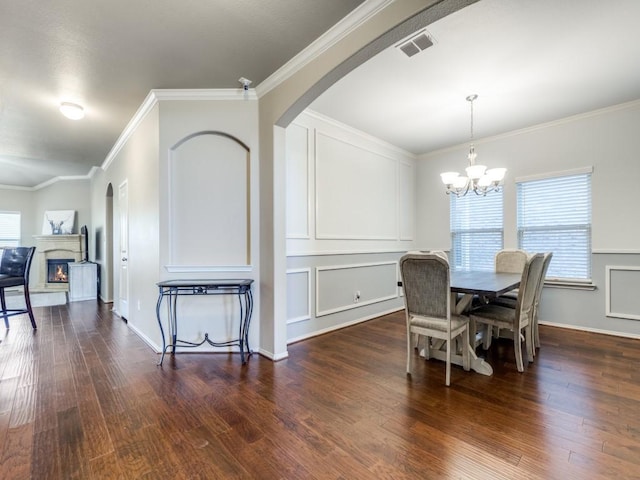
column 486, row 283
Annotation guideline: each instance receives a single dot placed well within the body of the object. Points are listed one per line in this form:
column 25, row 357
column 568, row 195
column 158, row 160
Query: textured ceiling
column 530, row 62
column 108, row 55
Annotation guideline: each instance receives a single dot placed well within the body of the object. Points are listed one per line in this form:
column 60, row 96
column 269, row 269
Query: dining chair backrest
column 511, row 261
column 16, row 262
column 425, row 280
column 529, row 286
column 545, row 268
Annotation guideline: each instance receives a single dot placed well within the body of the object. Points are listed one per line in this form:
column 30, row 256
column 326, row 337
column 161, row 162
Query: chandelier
column 478, row 179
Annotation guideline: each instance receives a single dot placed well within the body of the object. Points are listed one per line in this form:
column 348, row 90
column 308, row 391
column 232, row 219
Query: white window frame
column 9, row 234
column 471, row 222
column 555, row 275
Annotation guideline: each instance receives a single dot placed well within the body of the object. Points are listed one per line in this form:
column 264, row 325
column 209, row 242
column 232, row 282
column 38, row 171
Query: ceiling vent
column 416, row 44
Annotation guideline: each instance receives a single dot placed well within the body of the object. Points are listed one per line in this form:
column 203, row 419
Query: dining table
column 465, row 285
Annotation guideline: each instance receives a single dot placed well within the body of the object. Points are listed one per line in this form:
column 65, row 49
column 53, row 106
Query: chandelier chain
column 471, row 129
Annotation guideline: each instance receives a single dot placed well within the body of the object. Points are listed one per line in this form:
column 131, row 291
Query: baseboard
column 591, row 330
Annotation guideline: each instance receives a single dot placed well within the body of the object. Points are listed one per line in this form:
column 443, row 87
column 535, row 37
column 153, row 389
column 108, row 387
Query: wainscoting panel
column 344, row 287
column 622, row 287
column 298, row 295
column 298, row 159
column 356, row 191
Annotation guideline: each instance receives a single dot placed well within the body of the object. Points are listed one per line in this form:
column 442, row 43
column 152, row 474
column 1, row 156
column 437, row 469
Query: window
column 554, row 215
column 476, row 231
column 9, row 229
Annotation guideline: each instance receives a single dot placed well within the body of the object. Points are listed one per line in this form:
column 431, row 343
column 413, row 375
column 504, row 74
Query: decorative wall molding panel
column 622, row 284
column 298, row 295
column 356, row 191
column 344, row 287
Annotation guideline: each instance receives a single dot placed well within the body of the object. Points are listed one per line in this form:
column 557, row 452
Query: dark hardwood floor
column 83, row 398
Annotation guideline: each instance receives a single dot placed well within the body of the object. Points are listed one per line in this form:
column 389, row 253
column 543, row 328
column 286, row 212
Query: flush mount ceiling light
column 479, row 180
column 72, row 110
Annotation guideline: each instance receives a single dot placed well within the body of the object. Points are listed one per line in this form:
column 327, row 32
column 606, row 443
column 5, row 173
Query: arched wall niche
column 209, row 198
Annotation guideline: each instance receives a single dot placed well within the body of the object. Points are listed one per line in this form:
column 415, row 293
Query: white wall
column 136, row 163
column 606, row 140
column 226, row 196
column 350, row 215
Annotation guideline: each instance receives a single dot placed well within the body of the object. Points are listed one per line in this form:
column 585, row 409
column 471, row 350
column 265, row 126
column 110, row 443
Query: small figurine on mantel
column 58, row 222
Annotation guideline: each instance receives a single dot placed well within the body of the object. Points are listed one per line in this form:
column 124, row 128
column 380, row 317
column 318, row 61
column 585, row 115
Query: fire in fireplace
column 58, row 270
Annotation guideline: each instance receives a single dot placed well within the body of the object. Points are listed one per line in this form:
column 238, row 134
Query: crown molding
column 135, row 121
column 327, row 40
column 205, row 94
column 51, row 181
column 158, row 95
column 16, row 187
column 541, row 126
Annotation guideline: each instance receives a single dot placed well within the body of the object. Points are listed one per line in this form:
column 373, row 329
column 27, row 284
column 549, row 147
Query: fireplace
column 58, row 270
column 59, row 251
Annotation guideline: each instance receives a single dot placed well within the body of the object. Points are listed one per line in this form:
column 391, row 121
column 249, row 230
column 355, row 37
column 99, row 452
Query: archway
column 278, row 109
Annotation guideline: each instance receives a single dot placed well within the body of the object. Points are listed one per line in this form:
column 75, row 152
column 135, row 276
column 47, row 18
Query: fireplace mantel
column 55, row 247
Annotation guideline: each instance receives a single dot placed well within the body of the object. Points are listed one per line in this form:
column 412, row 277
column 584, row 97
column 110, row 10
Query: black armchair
column 14, row 271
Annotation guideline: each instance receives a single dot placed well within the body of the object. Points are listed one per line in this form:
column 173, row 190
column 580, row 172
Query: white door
column 123, row 296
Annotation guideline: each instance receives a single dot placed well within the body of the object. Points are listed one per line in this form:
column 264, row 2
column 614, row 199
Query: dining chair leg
column 528, row 340
column 536, row 333
column 3, row 302
column 409, row 353
column 517, row 347
column 486, row 338
column 466, row 355
column 427, row 348
column 448, row 376
column 27, row 301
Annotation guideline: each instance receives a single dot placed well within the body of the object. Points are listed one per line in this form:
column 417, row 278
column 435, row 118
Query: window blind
column 476, row 231
column 9, row 229
column 554, row 215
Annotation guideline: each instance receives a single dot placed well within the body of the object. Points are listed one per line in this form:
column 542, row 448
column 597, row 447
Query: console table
column 172, row 289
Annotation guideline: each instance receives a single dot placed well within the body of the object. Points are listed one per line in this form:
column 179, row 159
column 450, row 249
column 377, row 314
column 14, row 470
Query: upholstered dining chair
column 507, row 261
column 511, row 261
column 511, row 302
column 536, row 302
column 517, row 319
column 427, row 292
column 15, row 265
